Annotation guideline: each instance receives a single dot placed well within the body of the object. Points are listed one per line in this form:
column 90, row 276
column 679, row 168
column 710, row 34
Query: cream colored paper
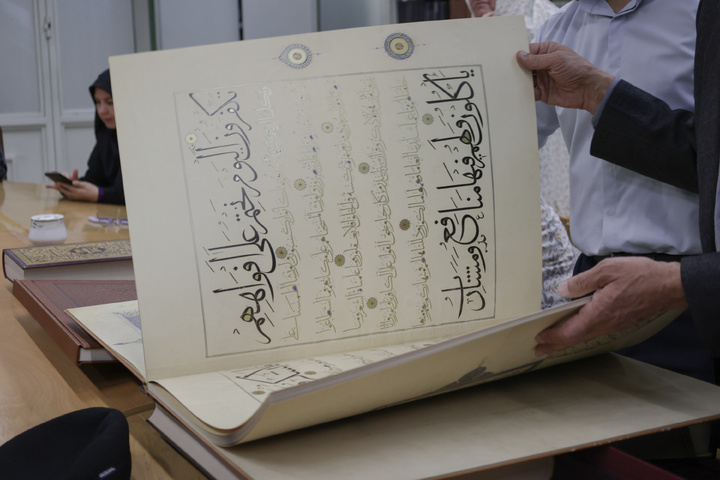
column 577, row 405
column 117, row 328
column 328, row 192
column 245, row 404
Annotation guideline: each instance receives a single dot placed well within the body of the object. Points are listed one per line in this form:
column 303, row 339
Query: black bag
column 93, row 443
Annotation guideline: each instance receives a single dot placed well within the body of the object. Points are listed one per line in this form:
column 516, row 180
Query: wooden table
column 37, row 381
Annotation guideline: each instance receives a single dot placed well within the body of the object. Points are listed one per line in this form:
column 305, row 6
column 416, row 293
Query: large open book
column 328, row 224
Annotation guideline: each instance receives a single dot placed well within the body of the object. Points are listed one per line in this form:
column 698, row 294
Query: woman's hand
column 79, row 190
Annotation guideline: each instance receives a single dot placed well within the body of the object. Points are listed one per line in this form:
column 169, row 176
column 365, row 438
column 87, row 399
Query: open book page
column 254, row 402
column 314, row 194
column 116, row 326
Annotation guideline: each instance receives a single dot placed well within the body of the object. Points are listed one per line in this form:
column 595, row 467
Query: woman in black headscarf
column 103, row 180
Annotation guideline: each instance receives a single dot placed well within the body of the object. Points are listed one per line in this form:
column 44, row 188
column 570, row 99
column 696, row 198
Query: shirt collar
column 601, row 7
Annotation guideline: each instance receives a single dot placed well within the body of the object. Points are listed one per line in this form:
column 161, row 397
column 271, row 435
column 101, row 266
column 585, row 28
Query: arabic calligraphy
column 462, row 216
column 332, row 207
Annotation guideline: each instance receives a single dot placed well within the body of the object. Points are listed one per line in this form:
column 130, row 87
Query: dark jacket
column 104, row 162
column 3, row 166
column 640, row 132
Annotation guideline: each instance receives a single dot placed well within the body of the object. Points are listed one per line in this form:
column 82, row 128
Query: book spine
column 83, row 261
column 10, row 252
column 62, row 338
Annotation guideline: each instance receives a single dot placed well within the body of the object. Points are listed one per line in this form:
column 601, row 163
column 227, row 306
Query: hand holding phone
column 58, row 177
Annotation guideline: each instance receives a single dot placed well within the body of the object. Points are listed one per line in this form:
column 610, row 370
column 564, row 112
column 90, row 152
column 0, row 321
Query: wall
column 184, row 23
column 337, row 14
column 271, row 18
column 52, row 50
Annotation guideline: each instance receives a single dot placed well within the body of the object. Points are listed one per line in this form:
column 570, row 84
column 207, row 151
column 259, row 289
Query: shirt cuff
column 100, row 194
column 601, row 107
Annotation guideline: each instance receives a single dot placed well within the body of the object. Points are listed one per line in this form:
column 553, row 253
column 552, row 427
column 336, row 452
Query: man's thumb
column 579, row 285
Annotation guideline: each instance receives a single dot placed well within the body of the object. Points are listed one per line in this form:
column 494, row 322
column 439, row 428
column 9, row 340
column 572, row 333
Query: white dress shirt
column 651, row 44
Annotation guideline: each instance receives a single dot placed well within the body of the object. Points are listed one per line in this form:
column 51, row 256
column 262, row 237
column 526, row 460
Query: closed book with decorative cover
column 104, row 260
column 47, row 300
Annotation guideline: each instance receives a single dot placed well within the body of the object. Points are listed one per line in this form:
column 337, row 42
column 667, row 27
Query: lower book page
column 548, row 412
column 247, row 403
column 116, row 326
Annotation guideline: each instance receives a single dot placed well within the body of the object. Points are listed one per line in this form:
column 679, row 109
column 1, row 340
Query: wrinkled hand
column 483, row 8
column 627, row 291
column 564, row 78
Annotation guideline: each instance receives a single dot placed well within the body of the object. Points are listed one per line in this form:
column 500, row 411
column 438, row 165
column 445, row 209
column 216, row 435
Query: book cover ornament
column 411, row 242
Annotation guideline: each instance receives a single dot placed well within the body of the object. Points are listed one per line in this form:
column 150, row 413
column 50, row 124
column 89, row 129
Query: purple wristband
column 100, row 194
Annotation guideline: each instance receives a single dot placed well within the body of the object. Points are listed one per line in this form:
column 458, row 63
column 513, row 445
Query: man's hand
column 482, row 8
column 628, row 290
column 564, row 78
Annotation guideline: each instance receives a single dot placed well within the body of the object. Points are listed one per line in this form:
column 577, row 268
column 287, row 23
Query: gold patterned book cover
column 77, row 260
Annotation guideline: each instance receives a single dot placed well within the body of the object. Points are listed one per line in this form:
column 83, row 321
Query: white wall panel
column 337, row 14
column 79, row 142
column 88, row 32
column 19, row 55
column 185, row 23
column 272, row 18
column 26, row 154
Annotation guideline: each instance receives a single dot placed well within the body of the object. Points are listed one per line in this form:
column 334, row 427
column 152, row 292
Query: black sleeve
column 94, row 173
column 3, row 166
column 105, row 172
column 640, row 132
column 114, row 193
column 701, row 281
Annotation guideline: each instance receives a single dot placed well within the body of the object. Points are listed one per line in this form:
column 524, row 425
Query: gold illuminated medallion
column 399, row 46
column 296, row 56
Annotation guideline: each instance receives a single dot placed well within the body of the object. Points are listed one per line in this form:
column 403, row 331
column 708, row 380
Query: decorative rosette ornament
column 399, row 46
column 296, row 56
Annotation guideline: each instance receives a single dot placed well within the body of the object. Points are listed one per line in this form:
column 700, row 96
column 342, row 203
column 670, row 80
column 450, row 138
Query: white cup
column 47, row 229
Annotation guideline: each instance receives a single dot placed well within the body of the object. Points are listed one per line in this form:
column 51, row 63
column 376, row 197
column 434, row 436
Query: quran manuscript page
column 320, row 193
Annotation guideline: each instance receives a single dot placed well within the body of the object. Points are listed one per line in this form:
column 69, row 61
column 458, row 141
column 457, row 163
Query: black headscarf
column 103, row 82
column 104, row 163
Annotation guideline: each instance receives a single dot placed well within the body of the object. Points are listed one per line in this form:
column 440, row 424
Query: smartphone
column 58, row 177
